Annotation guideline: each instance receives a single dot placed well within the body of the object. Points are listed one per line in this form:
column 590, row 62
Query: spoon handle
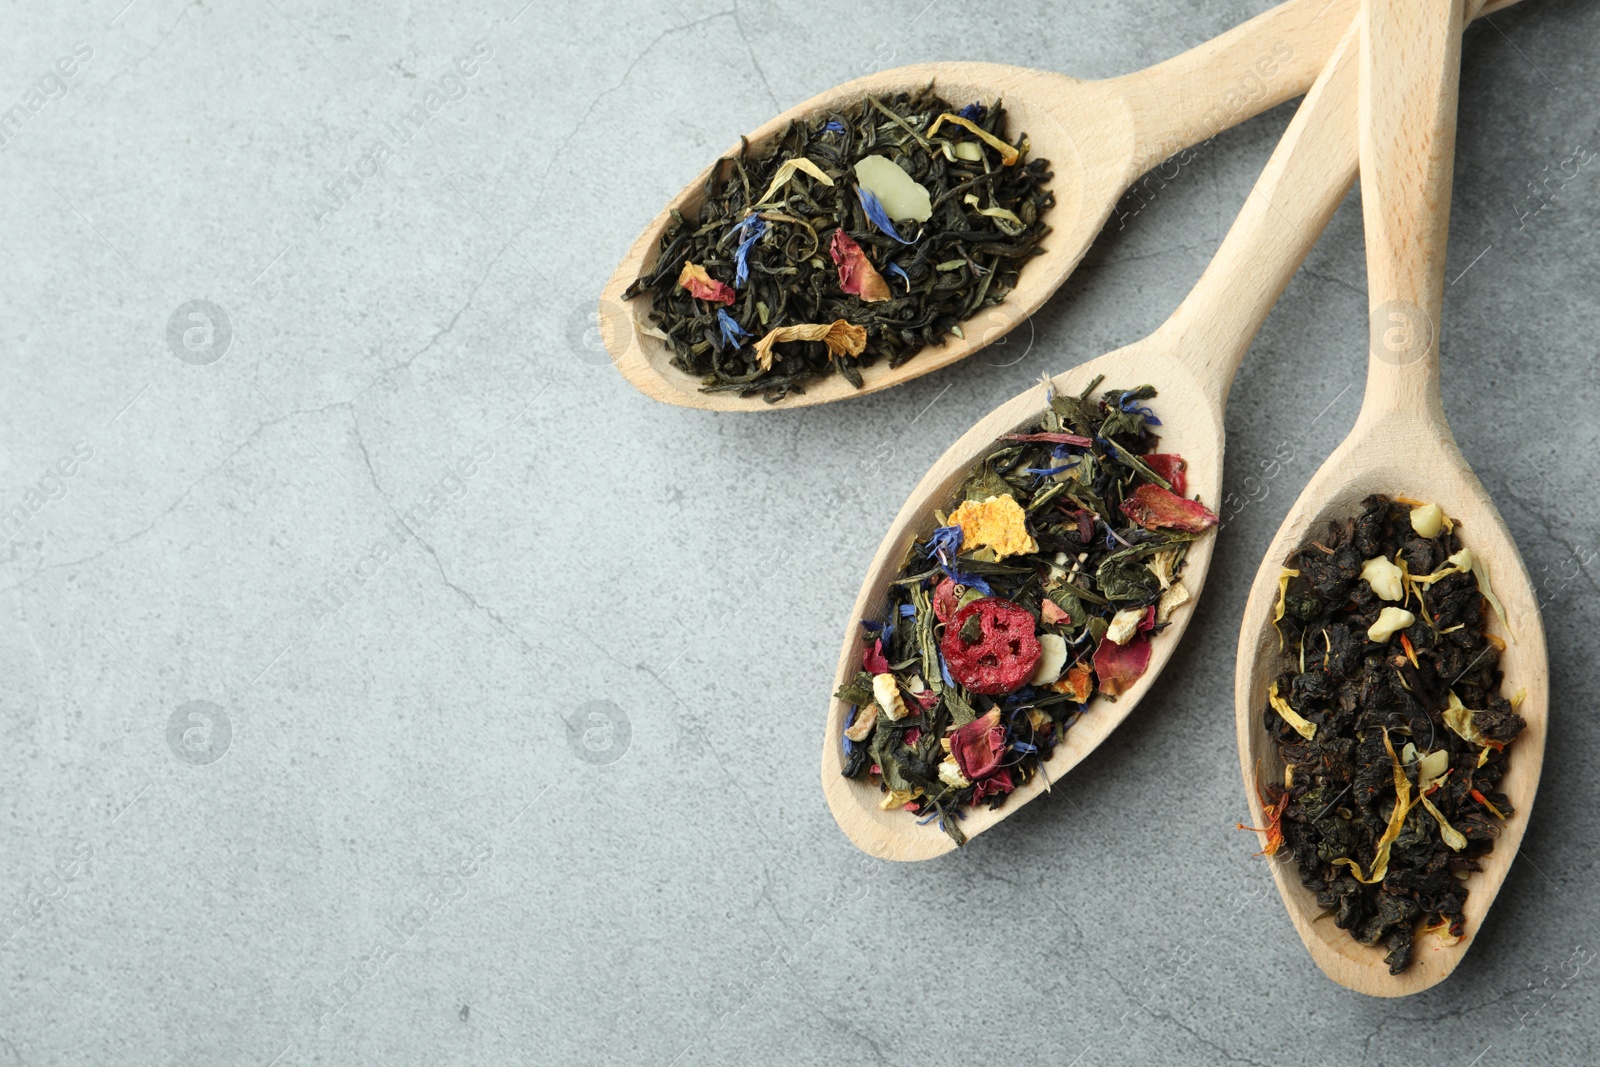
column 1298, row 191
column 1410, row 78
column 1195, row 95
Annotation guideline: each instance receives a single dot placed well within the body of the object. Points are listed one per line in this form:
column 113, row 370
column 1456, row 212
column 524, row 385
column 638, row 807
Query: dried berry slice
column 946, row 598
column 990, row 647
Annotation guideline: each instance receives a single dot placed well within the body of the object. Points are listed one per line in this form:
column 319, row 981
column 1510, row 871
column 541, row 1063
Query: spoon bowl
column 893, row 834
column 1099, row 137
column 1417, row 459
column 1401, row 445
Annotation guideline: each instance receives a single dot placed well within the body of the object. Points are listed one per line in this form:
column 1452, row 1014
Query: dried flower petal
column 703, row 286
column 1171, row 467
column 1008, row 154
column 1119, row 666
column 979, row 746
column 1156, row 508
column 857, row 275
column 786, row 170
column 842, row 338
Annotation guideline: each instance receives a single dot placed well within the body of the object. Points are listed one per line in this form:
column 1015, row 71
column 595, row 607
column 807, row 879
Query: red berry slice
column 1005, row 653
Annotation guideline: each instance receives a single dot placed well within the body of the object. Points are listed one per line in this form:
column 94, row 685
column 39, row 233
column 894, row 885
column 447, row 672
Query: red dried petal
column 979, row 746
column 872, row 659
column 1119, row 666
column 1170, row 466
column 1154, row 508
column 703, row 286
column 997, row 784
column 857, row 275
column 1005, row 654
column 1051, row 612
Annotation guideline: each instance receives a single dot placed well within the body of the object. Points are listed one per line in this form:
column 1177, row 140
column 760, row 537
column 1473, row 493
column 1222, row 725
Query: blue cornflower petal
column 751, row 227
column 944, row 672
column 971, row 581
column 946, row 540
column 874, row 627
column 834, row 126
column 880, row 218
column 850, row 720
column 731, row 330
column 973, row 112
column 908, row 610
column 1132, row 408
column 895, row 268
column 1046, row 471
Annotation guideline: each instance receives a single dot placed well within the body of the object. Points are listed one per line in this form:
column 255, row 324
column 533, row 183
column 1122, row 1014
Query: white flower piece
column 1052, row 657
column 1390, row 622
column 1171, row 600
column 887, row 694
column 1124, row 624
column 1427, row 520
column 1384, row 576
column 950, row 774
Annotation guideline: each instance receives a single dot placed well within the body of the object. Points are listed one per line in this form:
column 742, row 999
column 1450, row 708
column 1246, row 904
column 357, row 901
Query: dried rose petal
column 1119, row 666
column 945, row 600
column 1170, row 466
column 1154, row 508
column 997, row 784
column 703, row 286
column 978, row 746
column 1051, row 612
column 857, row 275
column 872, row 659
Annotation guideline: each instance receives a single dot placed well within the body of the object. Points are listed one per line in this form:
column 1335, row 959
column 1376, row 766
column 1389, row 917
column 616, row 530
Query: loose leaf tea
column 1390, row 724
column 1059, row 563
column 894, row 220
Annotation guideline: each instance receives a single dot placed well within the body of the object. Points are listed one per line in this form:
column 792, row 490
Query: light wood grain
column 1401, row 445
column 1191, row 359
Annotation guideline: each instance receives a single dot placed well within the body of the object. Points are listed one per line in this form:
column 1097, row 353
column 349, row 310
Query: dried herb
column 896, row 217
column 1390, row 724
column 1044, row 586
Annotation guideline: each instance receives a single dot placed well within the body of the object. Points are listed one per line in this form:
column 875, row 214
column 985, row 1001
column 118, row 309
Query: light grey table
column 385, row 681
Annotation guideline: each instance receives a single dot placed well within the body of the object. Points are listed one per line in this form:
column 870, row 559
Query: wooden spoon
column 1191, row 360
column 1099, row 135
column 1401, row 445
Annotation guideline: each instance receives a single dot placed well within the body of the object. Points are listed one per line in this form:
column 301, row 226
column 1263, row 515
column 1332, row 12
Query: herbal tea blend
column 1390, row 724
column 861, row 235
column 1060, row 562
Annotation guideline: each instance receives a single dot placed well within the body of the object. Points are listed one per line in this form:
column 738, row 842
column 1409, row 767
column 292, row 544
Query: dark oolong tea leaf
column 861, row 235
column 1390, row 724
column 1060, row 561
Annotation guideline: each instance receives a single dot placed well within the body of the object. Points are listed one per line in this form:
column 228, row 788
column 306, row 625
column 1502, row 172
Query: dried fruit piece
column 1171, row 467
column 998, row 523
column 1001, row 656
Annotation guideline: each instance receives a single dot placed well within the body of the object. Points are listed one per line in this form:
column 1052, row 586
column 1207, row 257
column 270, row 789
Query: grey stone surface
column 542, row 786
